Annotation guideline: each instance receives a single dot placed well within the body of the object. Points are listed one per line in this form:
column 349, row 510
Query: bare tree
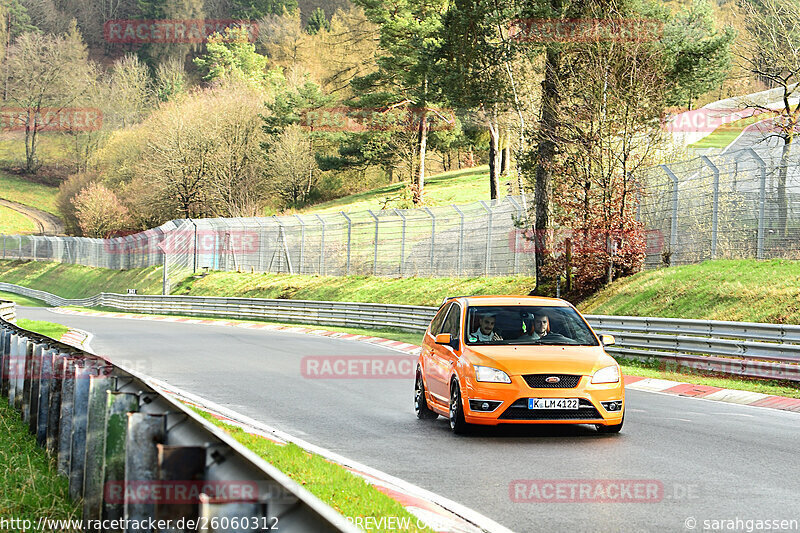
column 292, row 170
column 48, row 73
column 772, row 53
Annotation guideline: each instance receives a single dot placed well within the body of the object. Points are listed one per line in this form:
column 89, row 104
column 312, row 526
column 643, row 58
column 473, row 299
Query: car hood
column 517, row 360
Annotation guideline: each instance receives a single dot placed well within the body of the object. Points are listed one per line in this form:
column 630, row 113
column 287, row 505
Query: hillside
column 741, row 290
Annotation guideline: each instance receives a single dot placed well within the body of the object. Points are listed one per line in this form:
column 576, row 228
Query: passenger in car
column 486, row 331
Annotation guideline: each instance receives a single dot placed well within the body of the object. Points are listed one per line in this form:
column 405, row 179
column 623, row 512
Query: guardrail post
column 349, row 240
column 80, row 408
column 95, row 444
column 715, row 205
column 402, row 240
column 488, row 239
column 459, row 270
column 145, row 431
column 673, row 231
column 375, row 251
column 54, row 408
column 433, row 239
column 65, row 416
column 117, row 407
column 46, row 381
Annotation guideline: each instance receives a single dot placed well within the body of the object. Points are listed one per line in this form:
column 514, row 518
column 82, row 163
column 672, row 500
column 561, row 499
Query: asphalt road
column 715, row 461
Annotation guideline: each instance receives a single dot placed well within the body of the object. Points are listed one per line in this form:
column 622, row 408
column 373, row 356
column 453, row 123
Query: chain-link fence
column 478, row 239
column 735, row 205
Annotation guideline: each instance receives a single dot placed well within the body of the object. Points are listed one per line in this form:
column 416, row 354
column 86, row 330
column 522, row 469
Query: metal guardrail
column 8, row 311
column 131, row 453
column 746, row 349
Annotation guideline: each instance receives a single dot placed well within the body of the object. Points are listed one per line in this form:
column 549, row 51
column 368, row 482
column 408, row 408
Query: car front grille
column 538, row 381
column 519, row 411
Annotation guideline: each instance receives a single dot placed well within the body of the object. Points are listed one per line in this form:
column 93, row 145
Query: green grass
column 726, row 134
column 76, row 281
column 454, row 187
column 22, row 301
column 741, row 290
column 411, row 291
column 25, row 191
column 347, row 493
column 14, row 223
column 30, row 488
column 48, row 329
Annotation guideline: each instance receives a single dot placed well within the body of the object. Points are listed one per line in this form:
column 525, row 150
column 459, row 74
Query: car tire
column 610, row 429
column 458, row 424
column 420, row 402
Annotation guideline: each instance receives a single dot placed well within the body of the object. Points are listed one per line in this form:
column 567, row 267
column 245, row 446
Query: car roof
column 511, row 300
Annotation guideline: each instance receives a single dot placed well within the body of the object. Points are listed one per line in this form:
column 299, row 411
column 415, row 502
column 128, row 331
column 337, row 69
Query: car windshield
column 527, row 325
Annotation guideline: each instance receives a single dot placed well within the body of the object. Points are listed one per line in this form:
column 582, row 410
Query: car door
column 443, row 357
column 429, row 343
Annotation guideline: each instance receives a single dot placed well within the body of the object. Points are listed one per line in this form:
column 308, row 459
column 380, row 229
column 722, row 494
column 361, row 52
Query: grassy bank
column 412, row 291
column 76, row 281
column 14, row 223
column 22, row 301
column 48, row 329
column 29, row 485
column 454, row 187
column 349, row 494
column 741, row 290
column 28, row 192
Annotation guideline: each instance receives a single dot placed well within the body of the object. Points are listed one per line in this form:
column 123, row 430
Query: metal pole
column 673, row 232
column 715, row 206
column 488, row 240
column 516, row 234
column 302, row 243
column 433, row 239
column 460, row 271
column 322, row 247
column 349, row 241
column 402, row 240
column 194, row 245
column 762, row 202
column 375, row 252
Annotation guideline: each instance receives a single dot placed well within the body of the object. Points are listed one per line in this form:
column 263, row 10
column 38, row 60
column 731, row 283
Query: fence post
column 762, row 202
column 194, row 246
column 402, row 240
column 321, row 247
column 375, row 252
column 349, row 241
column 516, row 233
column 673, row 230
column 433, row 238
column 715, row 206
column 460, row 268
column 302, row 243
column 488, row 239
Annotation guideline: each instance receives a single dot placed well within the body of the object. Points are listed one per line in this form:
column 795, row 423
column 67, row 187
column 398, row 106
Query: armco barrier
column 132, row 453
column 739, row 348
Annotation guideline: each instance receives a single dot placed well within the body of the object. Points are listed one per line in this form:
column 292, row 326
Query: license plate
column 553, row 403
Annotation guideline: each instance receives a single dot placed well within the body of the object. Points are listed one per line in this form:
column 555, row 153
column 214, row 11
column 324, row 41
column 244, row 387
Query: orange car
column 518, row 360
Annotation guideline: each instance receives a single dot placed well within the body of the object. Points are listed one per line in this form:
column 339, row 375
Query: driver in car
column 485, row 331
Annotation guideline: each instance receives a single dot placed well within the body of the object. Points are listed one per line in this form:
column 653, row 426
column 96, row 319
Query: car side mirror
column 444, row 338
column 608, row 340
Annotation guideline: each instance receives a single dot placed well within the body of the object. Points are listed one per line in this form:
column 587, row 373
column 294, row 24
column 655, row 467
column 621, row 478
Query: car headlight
column 485, row 373
column 609, row 374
